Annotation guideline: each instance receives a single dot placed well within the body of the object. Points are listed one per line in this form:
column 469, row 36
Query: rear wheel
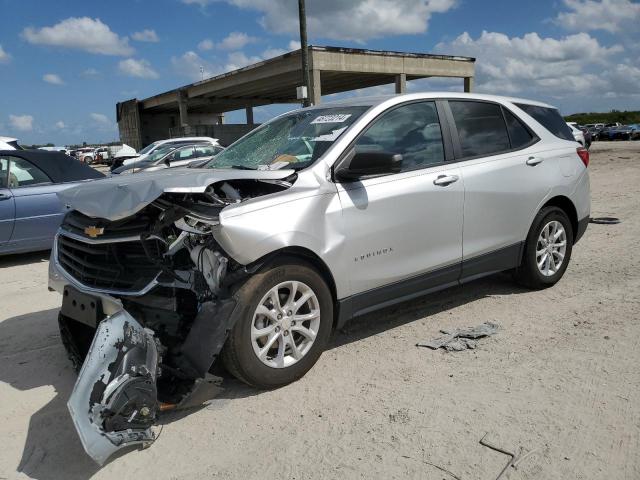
column 284, row 319
column 547, row 249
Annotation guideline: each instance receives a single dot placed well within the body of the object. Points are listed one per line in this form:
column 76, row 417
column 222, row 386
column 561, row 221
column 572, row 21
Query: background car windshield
column 159, row 152
column 293, row 141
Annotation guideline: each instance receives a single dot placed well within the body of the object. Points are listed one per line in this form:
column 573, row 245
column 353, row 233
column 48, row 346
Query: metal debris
column 460, row 339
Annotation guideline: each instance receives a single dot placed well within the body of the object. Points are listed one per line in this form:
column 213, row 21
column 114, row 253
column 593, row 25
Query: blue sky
column 65, row 64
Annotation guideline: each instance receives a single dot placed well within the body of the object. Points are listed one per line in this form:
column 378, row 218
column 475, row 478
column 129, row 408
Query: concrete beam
column 468, row 84
column 401, row 83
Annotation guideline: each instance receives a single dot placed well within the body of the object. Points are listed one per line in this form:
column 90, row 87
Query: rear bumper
column 582, row 227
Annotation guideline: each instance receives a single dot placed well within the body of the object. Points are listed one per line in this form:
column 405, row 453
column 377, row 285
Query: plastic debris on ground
column 461, row 339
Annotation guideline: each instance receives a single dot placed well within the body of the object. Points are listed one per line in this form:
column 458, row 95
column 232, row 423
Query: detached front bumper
column 114, row 401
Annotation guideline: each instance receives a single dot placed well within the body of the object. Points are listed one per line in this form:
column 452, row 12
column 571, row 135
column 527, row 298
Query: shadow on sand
column 33, row 357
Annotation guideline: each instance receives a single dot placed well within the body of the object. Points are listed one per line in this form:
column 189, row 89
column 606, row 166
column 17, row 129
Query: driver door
column 7, row 204
column 403, row 230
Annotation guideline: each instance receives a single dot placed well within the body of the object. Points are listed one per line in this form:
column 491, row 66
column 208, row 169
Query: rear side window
column 481, row 128
column 519, row 135
column 550, row 119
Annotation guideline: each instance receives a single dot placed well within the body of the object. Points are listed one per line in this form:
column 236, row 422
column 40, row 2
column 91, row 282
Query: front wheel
column 283, row 322
column 547, row 249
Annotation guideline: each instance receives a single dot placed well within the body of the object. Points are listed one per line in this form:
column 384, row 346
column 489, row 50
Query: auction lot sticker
column 337, row 118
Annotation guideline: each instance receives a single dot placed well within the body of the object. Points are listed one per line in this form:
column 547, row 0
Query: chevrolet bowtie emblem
column 93, row 232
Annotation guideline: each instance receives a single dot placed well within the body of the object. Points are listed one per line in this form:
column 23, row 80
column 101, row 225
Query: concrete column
column 249, row 111
column 182, row 108
column 316, row 87
column 220, row 118
column 401, row 83
column 468, row 84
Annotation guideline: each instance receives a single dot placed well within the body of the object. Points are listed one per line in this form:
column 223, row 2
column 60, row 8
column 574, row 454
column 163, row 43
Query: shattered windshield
column 293, row 141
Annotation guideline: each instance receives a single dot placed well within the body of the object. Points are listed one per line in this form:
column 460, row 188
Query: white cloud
column 23, row 123
column 100, row 118
column 146, row 35
column 610, row 15
column 188, row 65
column 531, row 63
column 90, row 72
column 53, row 79
column 206, row 44
column 80, row 33
column 356, row 20
column 137, row 68
column 60, row 125
column 4, row 55
column 237, row 60
column 235, row 41
column 294, row 45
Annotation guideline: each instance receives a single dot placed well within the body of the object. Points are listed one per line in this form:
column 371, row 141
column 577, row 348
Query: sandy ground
column 561, row 379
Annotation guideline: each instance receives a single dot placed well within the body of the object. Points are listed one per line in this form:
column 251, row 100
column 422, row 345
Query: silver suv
column 318, row 216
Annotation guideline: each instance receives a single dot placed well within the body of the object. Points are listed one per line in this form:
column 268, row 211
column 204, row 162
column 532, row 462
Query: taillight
column 583, row 153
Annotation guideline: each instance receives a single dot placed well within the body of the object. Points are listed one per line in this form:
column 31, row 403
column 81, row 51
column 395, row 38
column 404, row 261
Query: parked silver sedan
column 318, row 216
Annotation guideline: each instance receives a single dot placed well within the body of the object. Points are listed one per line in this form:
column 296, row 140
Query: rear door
column 407, row 224
column 505, row 177
column 38, row 212
column 7, row 204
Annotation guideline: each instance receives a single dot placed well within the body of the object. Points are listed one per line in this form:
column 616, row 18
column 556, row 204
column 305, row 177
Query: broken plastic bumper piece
column 114, row 401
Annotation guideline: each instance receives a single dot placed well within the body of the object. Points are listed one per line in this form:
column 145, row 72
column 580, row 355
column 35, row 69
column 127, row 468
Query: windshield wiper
column 241, row 167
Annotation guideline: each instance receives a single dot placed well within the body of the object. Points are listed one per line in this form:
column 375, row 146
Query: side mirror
column 364, row 164
column 167, row 161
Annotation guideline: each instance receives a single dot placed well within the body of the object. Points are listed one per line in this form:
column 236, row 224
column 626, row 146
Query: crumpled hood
column 119, row 197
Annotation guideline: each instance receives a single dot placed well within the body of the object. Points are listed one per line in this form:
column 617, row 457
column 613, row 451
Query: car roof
column 187, row 139
column 58, row 166
column 372, row 101
column 8, row 139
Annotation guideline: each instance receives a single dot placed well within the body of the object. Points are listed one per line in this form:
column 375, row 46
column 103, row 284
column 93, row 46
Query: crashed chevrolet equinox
column 317, row 216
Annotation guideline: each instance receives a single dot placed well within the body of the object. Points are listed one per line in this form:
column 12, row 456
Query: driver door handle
column 533, row 161
column 444, row 180
column 4, row 196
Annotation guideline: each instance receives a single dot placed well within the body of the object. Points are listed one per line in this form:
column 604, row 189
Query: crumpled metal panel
column 122, row 352
column 119, row 197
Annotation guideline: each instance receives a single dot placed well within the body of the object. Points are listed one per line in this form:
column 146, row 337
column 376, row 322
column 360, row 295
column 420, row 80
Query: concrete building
column 198, row 108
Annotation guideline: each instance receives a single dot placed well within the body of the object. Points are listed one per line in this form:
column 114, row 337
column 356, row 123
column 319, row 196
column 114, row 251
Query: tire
column 240, row 353
column 528, row 273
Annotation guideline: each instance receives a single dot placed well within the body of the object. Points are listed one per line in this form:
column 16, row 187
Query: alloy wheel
column 551, row 248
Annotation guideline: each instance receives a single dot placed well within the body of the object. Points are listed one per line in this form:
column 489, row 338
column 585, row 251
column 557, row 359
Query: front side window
column 549, row 118
column 481, row 128
column 4, row 172
column 184, row 154
column 205, row 151
column 295, row 140
column 23, row 173
column 411, row 130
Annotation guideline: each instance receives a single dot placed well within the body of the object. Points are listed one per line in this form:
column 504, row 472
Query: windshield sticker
column 329, row 137
column 338, row 118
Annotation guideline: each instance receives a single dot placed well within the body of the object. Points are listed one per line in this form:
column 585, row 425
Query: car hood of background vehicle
column 119, row 197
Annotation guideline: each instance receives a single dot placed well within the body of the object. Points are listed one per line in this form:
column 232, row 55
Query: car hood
column 119, row 197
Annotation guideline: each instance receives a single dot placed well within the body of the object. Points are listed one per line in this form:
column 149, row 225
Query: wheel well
column 310, row 257
column 567, row 206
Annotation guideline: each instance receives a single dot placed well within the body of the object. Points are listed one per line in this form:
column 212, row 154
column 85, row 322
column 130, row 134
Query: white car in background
column 149, row 149
column 577, row 133
column 9, row 143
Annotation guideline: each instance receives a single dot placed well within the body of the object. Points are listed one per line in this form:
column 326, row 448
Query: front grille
column 122, row 266
column 76, row 222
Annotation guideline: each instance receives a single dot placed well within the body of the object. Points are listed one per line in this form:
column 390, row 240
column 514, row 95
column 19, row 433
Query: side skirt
column 481, row 266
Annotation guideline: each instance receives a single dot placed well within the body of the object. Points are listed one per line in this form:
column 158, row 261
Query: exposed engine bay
column 147, row 306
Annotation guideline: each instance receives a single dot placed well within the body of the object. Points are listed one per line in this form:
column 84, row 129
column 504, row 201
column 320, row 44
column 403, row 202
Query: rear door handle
column 533, row 161
column 444, row 180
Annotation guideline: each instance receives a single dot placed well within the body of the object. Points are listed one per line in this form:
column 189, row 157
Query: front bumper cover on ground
column 114, row 400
